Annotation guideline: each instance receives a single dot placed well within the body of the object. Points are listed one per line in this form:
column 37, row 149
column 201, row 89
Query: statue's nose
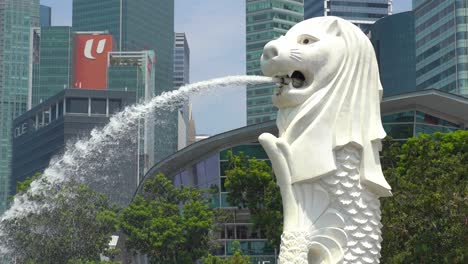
column 270, row 51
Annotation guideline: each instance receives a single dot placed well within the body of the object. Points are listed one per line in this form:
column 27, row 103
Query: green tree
column 252, row 184
column 75, row 223
column 170, row 225
column 237, row 258
column 426, row 219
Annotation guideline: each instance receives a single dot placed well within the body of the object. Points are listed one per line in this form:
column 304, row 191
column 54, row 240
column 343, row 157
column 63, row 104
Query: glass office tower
column 55, row 58
column 181, row 60
column 393, row 41
column 362, row 13
column 265, row 21
column 442, row 45
column 17, row 18
column 136, row 26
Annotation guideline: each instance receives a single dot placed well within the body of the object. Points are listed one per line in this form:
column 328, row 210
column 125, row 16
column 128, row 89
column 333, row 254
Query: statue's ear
column 334, row 28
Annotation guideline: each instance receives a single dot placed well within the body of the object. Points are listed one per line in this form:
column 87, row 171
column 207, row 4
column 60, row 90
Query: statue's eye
column 306, row 39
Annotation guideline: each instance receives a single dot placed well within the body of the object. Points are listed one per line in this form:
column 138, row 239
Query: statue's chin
column 284, row 101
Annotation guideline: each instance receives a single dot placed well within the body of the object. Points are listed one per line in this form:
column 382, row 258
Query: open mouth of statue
column 295, row 79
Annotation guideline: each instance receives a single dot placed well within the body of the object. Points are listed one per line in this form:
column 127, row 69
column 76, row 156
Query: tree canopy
column 237, row 258
column 426, row 219
column 169, row 224
column 251, row 184
column 75, row 224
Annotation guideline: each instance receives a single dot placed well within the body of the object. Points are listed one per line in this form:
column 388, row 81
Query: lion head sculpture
column 329, row 97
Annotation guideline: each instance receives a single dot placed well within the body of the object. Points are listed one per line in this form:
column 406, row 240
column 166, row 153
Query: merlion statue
column 326, row 158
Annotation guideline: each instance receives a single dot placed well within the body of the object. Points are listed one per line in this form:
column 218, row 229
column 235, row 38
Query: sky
column 215, row 32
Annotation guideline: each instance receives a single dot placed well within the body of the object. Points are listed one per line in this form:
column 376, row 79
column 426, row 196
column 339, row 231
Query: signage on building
column 90, row 60
column 20, row 130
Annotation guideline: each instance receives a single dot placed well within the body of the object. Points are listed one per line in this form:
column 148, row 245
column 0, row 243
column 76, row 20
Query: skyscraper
column 53, row 72
column 181, row 60
column 45, row 16
column 136, row 25
column 182, row 77
column 17, row 17
column 362, row 13
column 134, row 71
column 442, row 45
column 393, row 41
column 265, row 21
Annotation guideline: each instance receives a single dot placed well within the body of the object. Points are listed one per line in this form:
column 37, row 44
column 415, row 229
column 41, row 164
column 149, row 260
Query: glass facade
column 45, row 16
column 362, row 13
column 17, row 18
column 209, row 173
column 442, row 45
column 55, row 58
column 265, row 21
column 403, row 125
column 136, row 26
column 393, row 41
column 134, row 71
column 181, row 60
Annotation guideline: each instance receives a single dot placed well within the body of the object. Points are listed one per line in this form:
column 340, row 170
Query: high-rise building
column 393, row 41
column 45, row 16
column 17, row 18
column 181, row 60
column 182, row 77
column 265, row 21
column 52, row 73
column 134, row 71
column 136, row 25
column 362, row 13
column 442, row 45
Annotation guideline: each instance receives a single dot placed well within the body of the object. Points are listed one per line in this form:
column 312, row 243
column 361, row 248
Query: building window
column 98, row 106
column 60, row 109
column 115, row 106
column 54, row 112
column 77, row 105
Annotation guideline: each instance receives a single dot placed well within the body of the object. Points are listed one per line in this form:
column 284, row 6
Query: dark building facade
column 42, row 132
column 393, row 39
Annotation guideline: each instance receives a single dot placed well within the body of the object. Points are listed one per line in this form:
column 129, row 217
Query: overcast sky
column 216, row 34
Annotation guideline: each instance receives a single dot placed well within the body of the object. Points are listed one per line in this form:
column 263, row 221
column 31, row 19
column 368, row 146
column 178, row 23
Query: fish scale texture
column 359, row 208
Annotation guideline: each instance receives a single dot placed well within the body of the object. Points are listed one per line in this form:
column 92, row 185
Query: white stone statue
column 326, row 158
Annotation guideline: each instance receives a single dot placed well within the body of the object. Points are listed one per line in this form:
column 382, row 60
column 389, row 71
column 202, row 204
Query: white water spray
column 86, row 158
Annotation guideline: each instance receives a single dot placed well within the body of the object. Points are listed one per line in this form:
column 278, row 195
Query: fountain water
column 85, row 159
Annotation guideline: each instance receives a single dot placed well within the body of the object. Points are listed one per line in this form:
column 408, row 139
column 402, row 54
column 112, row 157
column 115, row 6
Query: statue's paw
column 268, row 142
column 267, row 138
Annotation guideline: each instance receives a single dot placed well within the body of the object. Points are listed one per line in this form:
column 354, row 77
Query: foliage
column 426, row 219
column 74, row 223
column 236, row 258
column 252, row 184
column 170, row 225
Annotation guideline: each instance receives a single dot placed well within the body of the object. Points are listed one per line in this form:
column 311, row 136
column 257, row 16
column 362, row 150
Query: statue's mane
column 346, row 110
